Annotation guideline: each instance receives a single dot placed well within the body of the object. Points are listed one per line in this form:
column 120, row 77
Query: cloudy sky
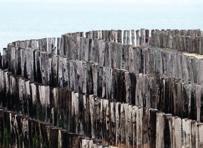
column 24, row 19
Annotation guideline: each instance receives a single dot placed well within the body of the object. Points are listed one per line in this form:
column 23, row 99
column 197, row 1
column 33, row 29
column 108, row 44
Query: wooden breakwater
column 18, row 130
column 99, row 85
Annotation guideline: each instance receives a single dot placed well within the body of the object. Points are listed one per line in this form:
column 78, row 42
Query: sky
column 26, row 19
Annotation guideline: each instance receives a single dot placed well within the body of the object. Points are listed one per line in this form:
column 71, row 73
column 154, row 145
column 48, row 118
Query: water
column 26, row 20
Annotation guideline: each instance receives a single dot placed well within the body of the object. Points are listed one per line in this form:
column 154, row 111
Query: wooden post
column 186, row 132
column 152, row 127
column 133, row 41
column 160, row 130
column 139, row 127
column 34, row 99
column 119, row 38
column 198, row 94
column 138, row 37
column 200, row 135
column 45, row 67
column 44, row 98
column 29, row 64
column 142, row 37
column 201, row 46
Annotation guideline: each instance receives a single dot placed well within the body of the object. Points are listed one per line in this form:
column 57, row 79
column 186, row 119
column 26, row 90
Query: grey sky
column 24, row 19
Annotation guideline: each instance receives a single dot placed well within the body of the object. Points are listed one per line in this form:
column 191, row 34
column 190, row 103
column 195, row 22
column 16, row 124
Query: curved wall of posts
column 131, row 88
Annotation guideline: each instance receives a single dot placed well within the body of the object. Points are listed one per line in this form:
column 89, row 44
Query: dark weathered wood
column 186, row 125
column 29, row 64
column 200, row 135
column 119, row 38
column 103, row 91
column 149, row 60
column 45, row 67
column 160, row 132
column 44, row 98
column 113, row 83
column 118, row 116
column 133, row 36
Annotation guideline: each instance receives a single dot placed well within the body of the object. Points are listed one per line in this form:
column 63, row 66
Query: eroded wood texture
column 102, row 119
column 97, row 89
column 166, row 94
column 148, row 60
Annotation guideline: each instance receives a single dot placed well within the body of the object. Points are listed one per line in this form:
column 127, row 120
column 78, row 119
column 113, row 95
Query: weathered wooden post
column 200, row 135
column 133, row 37
column 160, row 130
column 138, row 37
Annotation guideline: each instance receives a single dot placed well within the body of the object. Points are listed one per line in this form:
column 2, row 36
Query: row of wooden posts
column 109, row 121
column 102, row 81
column 164, row 93
column 149, row 60
column 183, row 40
column 97, row 86
column 18, row 130
column 187, row 42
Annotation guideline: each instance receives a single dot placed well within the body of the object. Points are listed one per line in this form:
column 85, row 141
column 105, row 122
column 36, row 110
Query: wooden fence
column 97, row 89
